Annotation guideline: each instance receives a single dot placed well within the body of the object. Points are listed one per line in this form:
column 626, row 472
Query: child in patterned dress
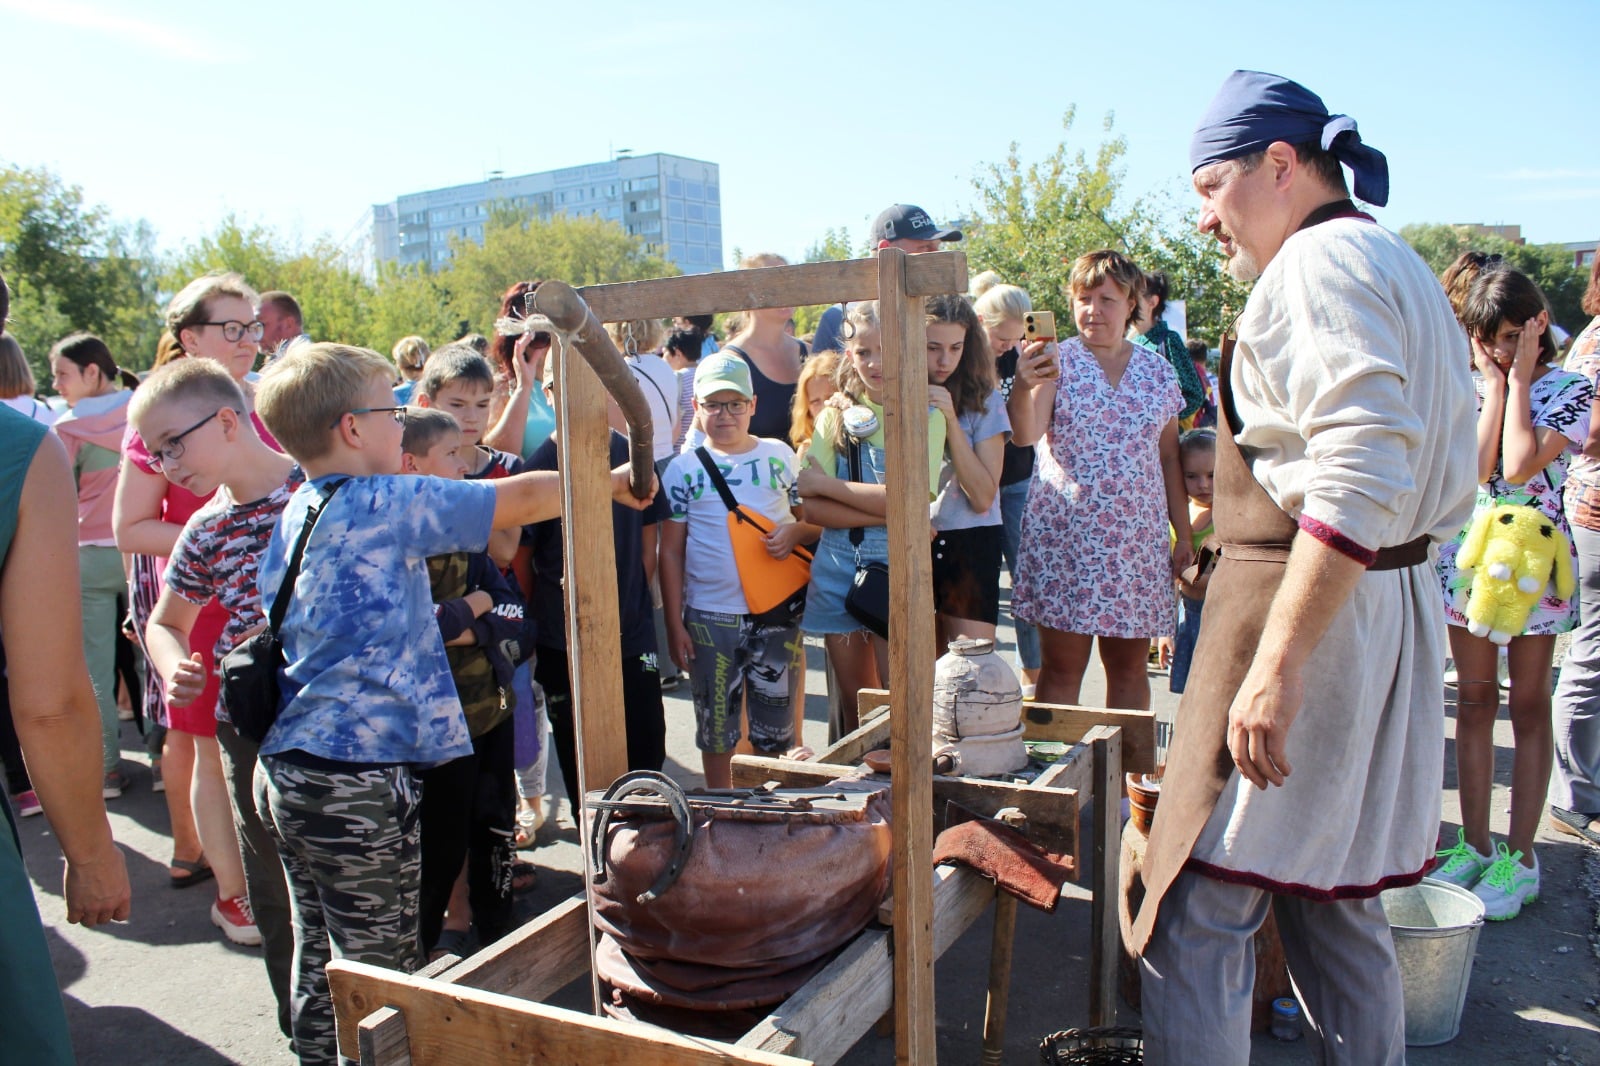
column 1531, row 418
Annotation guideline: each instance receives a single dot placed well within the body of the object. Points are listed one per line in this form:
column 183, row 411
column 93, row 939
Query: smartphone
column 1039, row 326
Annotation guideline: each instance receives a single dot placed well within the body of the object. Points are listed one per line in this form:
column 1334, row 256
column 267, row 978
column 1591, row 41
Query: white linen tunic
column 1351, row 377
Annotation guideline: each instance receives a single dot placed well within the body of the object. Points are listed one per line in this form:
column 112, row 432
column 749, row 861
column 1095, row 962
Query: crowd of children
column 426, row 677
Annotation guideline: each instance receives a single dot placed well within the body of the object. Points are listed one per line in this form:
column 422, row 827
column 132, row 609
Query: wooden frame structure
column 487, row 1007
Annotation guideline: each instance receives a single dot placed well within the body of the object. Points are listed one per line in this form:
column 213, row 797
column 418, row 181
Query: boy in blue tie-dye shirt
column 367, row 695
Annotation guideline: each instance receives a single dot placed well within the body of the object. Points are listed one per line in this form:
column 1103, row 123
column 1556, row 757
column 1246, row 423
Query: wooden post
column 594, row 642
column 1105, row 943
column 905, row 368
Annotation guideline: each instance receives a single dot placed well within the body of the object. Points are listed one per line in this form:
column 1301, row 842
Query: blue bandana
column 1253, row 109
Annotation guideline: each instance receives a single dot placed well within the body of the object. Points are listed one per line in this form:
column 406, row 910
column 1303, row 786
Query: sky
column 299, row 116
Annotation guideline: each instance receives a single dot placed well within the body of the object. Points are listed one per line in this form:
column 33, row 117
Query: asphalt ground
column 165, row 987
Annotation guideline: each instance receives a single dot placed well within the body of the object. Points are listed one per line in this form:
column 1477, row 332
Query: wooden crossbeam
column 1066, row 723
column 453, row 1025
column 824, row 1019
column 783, row 286
column 1052, row 812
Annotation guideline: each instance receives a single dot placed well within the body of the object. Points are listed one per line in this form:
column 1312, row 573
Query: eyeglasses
column 733, row 407
column 397, row 413
column 172, row 451
column 232, row 331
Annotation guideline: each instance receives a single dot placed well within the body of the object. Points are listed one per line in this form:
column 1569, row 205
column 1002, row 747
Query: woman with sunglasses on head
column 213, row 317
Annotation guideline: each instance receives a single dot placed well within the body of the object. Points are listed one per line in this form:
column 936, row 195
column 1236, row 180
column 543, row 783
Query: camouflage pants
column 351, row 847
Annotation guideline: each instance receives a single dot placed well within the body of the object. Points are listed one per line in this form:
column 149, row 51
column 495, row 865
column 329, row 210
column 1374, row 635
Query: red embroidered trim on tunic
column 1338, row 541
column 1319, row 895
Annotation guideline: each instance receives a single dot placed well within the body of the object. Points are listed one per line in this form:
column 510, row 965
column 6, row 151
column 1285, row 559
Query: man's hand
column 1258, row 724
column 96, row 890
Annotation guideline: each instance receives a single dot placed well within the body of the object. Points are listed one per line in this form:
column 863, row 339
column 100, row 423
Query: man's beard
column 1242, row 266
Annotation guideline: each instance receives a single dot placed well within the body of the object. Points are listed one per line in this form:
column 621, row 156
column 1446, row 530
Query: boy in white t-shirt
column 730, row 657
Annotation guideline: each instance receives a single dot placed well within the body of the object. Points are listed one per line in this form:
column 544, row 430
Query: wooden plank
column 1068, row 724
column 536, row 961
column 593, row 629
column 826, row 1017
column 851, row 748
column 382, row 1034
column 452, row 1025
column 1040, row 721
column 787, row 286
column 1052, row 812
column 903, row 335
column 1105, row 936
column 594, row 639
column 753, row 771
column 870, row 703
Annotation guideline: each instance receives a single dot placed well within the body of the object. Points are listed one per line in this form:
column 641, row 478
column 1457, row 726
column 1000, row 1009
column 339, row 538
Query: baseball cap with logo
column 720, row 372
column 900, row 222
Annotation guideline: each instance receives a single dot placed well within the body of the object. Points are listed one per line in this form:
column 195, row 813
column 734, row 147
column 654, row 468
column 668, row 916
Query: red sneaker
column 27, row 804
column 236, row 920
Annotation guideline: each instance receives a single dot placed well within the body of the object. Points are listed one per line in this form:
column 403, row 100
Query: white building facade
column 672, row 203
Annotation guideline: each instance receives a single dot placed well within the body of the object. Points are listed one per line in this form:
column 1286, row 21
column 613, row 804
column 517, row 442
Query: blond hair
column 801, row 424
column 304, row 392
column 197, row 381
column 643, row 335
column 762, row 259
column 167, row 350
column 1000, row 302
column 409, row 355
column 192, row 304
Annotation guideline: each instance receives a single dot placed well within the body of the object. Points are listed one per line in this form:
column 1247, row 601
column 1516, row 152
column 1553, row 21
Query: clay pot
column 1144, row 791
column 977, row 706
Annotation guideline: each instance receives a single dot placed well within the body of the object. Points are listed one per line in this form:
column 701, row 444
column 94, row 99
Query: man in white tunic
column 1306, row 769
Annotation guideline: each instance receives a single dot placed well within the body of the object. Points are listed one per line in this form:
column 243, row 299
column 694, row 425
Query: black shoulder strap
column 716, row 479
column 853, row 447
column 280, row 605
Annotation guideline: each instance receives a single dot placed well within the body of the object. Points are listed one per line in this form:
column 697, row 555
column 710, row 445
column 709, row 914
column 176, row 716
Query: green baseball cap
column 721, row 372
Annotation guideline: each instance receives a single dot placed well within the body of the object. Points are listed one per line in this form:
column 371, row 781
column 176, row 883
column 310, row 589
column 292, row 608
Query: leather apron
column 1255, row 535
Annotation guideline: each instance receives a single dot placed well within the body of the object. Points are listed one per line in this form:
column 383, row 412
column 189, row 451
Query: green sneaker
column 1461, row 865
column 1507, row 885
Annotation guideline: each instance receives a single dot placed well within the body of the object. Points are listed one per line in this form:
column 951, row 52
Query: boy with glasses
column 735, row 662
column 366, row 690
column 190, row 416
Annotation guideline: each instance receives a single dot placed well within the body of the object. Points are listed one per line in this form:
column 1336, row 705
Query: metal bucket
column 1435, row 928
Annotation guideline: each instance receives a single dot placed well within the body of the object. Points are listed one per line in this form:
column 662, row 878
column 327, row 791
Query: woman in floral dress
column 1096, row 561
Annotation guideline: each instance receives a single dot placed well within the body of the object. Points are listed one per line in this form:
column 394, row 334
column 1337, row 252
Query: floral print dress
column 1560, row 401
column 1095, row 556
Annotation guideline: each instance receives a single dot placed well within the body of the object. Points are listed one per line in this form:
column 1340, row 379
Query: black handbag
column 868, row 597
column 248, row 675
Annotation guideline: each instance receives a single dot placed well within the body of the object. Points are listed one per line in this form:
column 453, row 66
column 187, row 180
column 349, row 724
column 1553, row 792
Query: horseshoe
column 615, row 800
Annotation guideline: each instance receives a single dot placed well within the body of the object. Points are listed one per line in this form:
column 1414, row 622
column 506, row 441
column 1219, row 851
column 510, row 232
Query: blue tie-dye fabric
column 367, row 680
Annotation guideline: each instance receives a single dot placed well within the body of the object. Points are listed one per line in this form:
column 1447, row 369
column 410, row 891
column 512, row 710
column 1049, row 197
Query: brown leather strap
column 1400, row 557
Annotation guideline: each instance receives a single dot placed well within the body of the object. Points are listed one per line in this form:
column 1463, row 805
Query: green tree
column 1549, row 265
column 833, row 246
column 335, row 298
column 70, row 267
column 580, row 250
column 1032, row 220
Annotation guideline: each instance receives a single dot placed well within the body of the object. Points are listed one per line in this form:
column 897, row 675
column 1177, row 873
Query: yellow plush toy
column 1512, row 551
